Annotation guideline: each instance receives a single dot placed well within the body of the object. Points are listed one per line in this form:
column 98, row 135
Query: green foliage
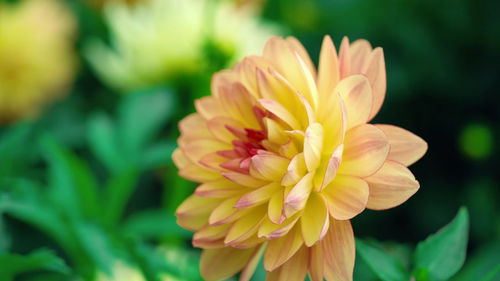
column 385, row 266
column 40, row 260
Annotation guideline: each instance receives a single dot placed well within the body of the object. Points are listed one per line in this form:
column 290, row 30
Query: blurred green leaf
column 154, row 224
column 443, row 254
column 140, row 116
column 158, row 154
column 117, row 193
column 103, row 143
column 14, row 264
column 483, row 262
column 385, row 266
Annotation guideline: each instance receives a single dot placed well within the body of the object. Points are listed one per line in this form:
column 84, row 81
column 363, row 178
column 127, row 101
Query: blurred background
column 91, row 92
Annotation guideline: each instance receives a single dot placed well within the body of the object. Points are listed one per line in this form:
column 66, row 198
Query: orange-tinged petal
column 268, row 166
column 360, row 51
column 244, row 179
column 193, row 213
column 222, row 79
column 280, row 250
column 297, row 198
column 332, row 166
column 313, row 145
column 316, row 262
column 246, row 226
column 346, row 196
column 365, row 149
column 225, row 212
column 344, row 58
column 210, row 237
column 194, row 127
column 209, row 107
column 339, row 251
column 218, row 127
column 328, row 70
column 406, row 147
column 221, row 188
column 275, row 208
column 293, row 270
column 356, row 93
column 196, row 149
column 280, row 112
column 258, row 196
column 250, row 267
column 295, row 171
column 213, row 161
column 315, row 219
column 374, row 69
column 196, row 173
column 180, row 159
column 218, row 264
column 390, row 186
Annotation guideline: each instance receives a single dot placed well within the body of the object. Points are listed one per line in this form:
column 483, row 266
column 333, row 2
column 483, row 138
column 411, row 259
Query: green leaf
column 443, row 254
column 140, row 117
column 14, row 264
column 154, row 224
column 117, row 193
column 158, row 155
column 101, row 136
column 386, row 267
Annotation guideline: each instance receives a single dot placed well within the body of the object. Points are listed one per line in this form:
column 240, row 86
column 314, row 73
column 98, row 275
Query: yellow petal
column 221, row 188
column 311, row 94
column 295, row 171
column 328, row 73
column 333, row 116
column 390, row 186
column 271, row 230
column 275, row 133
column 193, row 213
column 218, row 127
column 365, row 149
column 213, row 161
column 245, row 180
column 356, row 93
column 332, row 166
column 209, row 107
column 316, row 262
column 280, row 250
column 280, row 112
column 210, row 237
column 293, row 270
column 225, row 212
column 268, row 166
column 374, row 69
column 221, row 79
column 196, row 173
column 347, row 197
column 313, row 145
column 275, row 208
column 314, row 221
column 246, row 226
column 258, row 196
column 344, row 59
column 339, row 251
column 196, row 149
column 180, row 159
column 249, row 269
column 297, row 47
column 297, row 198
column 238, row 102
column 406, row 147
column 222, row 263
column 194, row 127
column 360, row 50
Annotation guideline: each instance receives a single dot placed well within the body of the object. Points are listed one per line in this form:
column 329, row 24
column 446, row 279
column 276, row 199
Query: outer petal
column 328, row 74
column 316, row 261
column 347, row 197
column 406, row 147
column 196, row 149
column 339, row 251
column 356, row 93
column 210, row 237
column 374, row 69
column 194, row 127
column 344, row 58
column 315, row 219
column 218, row 127
column 222, row 263
column 250, row 267
column 360, row 51
column 225, row 212
column 221, row 188
column 297, row 47
column 245, row 227
column 293, row 270
column 390, row 186
column 280, row 250
column 209, row 107
column 366, row 148
column 193, row 213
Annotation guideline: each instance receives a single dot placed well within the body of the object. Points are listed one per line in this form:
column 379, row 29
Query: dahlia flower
column 285, row 157
column 37, row 60
column 154, row 41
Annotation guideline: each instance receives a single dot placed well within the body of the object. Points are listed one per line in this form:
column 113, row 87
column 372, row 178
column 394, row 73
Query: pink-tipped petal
column 374, row 69
column 296, row 170
column 269, row 167
column 245, row 227
column 347, row 197
column 332, row 166
column 356, row 93
column 222, row 263
column 245, row 180
column 344, row 59
column 258, row 196
column 366, row 148
column 297, row 198
column 209, row 107
column 360, row 51
column 328, row 70
column 280, row 250
column 221, row 188
column 196, row 149
column 218, row 126
column 339, row 251
column 238, row 102
column 406, row 147
column 210, row 237
column 281, row 112
column 390, row 186
column 315, row 219
column 225, row 212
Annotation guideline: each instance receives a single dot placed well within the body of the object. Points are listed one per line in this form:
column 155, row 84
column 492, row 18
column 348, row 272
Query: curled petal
column 218, row 264
column 313, row 145
column 281, row 112
column 298, row 195
column 406, row 147
column 313, row 96
column 315, row 219
column 297, row 47
column 390, row 186
column 366, row 148
column 293, row 270
column 280, row 250
column 356, row 93
column 332, row 166
column 275, row 133
column 271, row 230
column 244, row 227
column 339, row 251
column 258, row 196
column 296, row 170
column 347, row 197
column 374, row 69
column 268, row 166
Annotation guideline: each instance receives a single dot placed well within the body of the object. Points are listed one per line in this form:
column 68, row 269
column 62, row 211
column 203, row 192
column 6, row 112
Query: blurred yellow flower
column 37, row 62
column 156, row 40
column 286, row 158
column 121, row 271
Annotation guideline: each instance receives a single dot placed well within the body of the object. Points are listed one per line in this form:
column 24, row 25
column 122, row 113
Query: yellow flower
column 156, row 40
column 37, row 61
column 286, row 158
